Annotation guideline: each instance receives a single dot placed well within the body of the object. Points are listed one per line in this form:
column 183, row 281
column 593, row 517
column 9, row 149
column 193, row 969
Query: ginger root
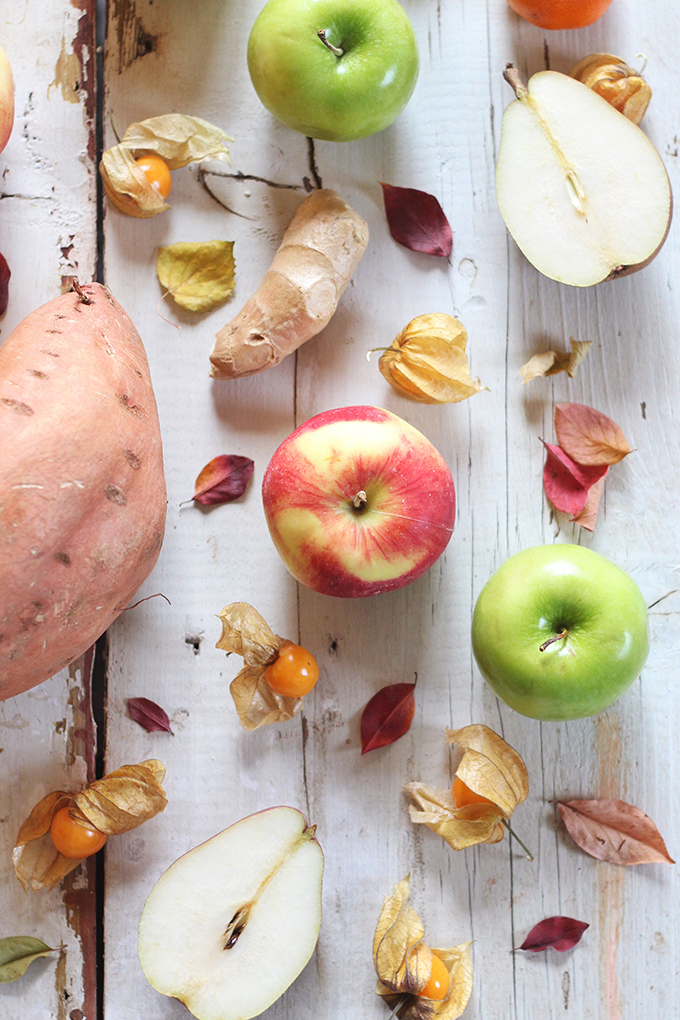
column 300, row 291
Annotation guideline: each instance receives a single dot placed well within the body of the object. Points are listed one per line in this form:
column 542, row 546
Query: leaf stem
column 514, row 835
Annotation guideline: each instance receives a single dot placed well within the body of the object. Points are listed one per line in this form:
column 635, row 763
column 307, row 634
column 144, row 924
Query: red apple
column 358, row 502
column 6, row 100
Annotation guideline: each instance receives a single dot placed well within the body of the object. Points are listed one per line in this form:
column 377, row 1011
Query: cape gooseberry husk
column 612, row 78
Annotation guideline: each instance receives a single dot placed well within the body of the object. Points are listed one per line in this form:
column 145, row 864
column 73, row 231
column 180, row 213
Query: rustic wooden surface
column 173, row 56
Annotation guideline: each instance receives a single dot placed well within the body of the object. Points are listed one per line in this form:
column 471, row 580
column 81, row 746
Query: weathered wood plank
column 445, row 142
column 48, row 233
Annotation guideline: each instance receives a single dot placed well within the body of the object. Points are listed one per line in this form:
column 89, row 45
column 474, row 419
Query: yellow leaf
column 552, row 362
column 198, row 275
column 176, row 138
column 427, row 361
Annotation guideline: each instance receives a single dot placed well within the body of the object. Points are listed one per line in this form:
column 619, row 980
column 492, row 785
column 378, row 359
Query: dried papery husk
column 248, row 634
column 427, row 361
column 115, row 804
column 611, row 77
column 176, row 138
column 491, row 769
column 403, row 963
column 552, row 362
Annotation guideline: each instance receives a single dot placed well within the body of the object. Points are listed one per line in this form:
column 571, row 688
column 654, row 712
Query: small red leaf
column 149, row 715
column 387, row 716
column 4, row 284
column 223, row 479
column 560, row 933
column 417, row 220
column 567, row 483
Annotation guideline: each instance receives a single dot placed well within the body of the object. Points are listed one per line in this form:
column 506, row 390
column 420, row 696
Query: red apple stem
column 514, row 835
column 359, row 501
column 334, row 49
column 553, row 639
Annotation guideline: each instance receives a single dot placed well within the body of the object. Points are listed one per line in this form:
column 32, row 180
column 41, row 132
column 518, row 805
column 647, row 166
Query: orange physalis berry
column 462, row 795
column 72, row 839
column 559, row 14
column 293, row 673
column 437, row 986
column 157, row 173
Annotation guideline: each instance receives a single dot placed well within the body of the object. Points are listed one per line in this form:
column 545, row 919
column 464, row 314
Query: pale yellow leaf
column 198, row 275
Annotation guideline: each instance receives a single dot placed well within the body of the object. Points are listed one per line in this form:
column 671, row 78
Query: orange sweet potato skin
column 82, row 488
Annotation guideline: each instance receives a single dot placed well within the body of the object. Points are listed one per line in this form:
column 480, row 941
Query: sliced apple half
column 230, row 925
column 581, row 188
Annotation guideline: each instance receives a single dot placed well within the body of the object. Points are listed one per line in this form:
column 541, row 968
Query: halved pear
column 581, row 188
column 230, row 925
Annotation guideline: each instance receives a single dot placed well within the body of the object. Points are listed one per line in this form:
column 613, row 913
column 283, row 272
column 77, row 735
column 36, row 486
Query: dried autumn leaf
column 403, row 963
column 149, row 715
column 223, row 479
column 492, row 770
column 245, row 632
column 551, row 362
column 17, row 953
column 612, row 78
column 387, row 716
column 199, row 275
column 587, row 518
column 588, row 436
column 614, row 831
column 427, row 361
column 567, row 483
column 417, row 221
column 117, row 803
column 176, row 138
column 560, row 933
column 5, row 274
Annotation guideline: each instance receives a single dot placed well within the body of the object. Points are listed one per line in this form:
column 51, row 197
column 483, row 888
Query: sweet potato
column 82, row 489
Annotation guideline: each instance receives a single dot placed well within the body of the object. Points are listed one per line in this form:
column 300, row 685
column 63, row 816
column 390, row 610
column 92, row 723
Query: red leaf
column 560, row 933
column 567, row 483
column 387, row 716
column 417, row 220
column 149, row 715
column 223, row 479
column 589, row 436
column 4, row 284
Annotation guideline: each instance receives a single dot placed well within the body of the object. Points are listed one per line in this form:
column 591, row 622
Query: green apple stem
column 514, row 835
column 334, row 49
column 551, row 640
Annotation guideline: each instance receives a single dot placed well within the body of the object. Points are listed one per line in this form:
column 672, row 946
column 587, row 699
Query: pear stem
column 334, row 49
column 551, row 640
column 514, row 835
column 511, row 75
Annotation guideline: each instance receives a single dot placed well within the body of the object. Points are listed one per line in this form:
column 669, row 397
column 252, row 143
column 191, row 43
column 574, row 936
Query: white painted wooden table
column 174, row 56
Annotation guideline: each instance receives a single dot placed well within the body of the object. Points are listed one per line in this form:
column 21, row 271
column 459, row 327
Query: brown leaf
column 588, row 436
column 247, row 634
column 417, row 221
column 403, row 963
column 387, row 716
column 567, row 483
column 560, row 933
column 4, row 284
column 223, row 479
column 118, row 802
column 551, row 362
column 149, row 715
column 614, row 831
column 427, row 361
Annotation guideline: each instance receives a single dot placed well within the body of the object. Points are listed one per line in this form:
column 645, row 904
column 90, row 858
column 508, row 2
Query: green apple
column 333, row 69
column 560, row 632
